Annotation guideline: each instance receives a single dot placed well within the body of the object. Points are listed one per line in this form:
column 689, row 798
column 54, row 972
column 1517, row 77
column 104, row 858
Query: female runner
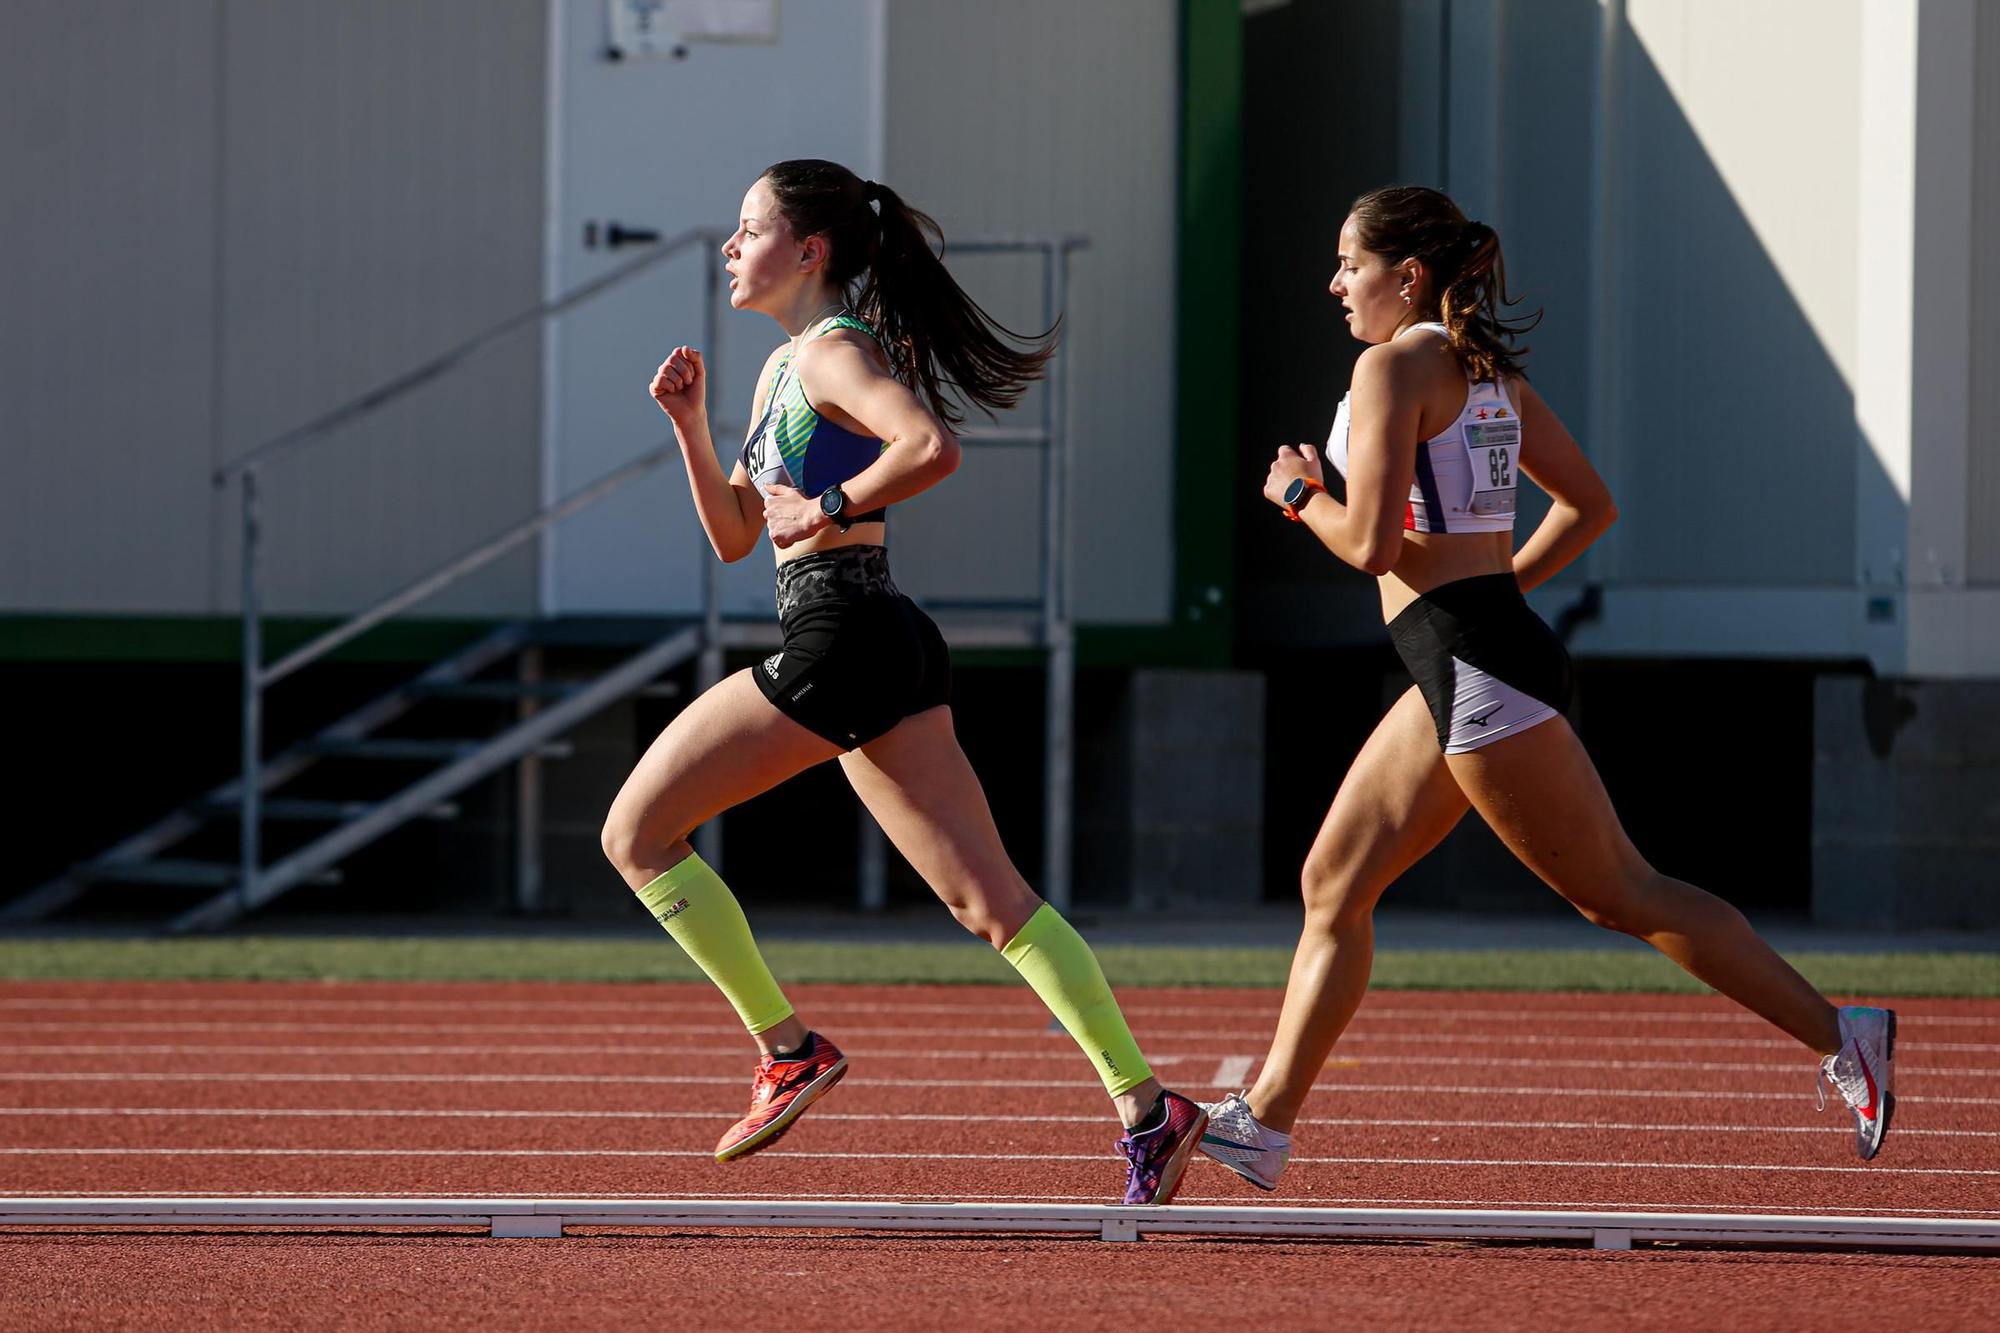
column 852, row 417
column 1436, row 424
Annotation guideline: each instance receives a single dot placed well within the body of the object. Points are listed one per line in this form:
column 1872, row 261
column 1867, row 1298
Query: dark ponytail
column 1463, row 257
column 886, row 263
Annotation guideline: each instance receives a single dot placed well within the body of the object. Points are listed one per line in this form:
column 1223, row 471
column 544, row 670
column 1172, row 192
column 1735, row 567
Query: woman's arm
column 1385, row 407
column 1583, row 507
column 845, row 371
column 731, row 511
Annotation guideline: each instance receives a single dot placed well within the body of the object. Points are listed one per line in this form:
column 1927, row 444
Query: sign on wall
column 642, row 29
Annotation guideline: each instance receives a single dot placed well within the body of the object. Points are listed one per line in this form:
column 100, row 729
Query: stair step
column 306, row 811
column 379, row 748
column 422, row 751
column 546, row 690
column 182, row 874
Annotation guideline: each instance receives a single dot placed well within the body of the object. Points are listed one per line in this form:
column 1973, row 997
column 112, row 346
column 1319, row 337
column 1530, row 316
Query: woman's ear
column 812, row 254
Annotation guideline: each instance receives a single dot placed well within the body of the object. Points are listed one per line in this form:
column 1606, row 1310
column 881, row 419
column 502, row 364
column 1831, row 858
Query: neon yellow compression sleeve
column 1053, row 959
column 704, row 918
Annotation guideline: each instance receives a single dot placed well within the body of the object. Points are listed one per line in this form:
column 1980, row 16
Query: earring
column 1406, row 298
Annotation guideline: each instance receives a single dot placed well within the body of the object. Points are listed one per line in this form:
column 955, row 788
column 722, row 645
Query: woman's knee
column 1334, row 896
column 628, row 846
column 1629, row 905
column 994, row 914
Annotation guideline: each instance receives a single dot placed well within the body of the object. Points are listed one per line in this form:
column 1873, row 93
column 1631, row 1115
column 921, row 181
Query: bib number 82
column 1498, row 467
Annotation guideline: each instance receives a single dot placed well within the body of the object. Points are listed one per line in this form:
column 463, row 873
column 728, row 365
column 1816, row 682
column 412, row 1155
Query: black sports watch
column 833, row 503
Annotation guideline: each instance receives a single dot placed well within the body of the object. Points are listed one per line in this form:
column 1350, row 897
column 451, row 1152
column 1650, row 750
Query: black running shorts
column 1484, row 661
column 858, row 657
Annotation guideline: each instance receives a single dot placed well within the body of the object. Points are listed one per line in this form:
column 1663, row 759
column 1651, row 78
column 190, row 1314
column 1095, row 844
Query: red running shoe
column 780, row 1092
column 1157, row 1158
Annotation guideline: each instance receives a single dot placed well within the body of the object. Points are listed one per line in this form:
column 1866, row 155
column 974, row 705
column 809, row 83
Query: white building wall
column 1046, row 116
column 107, row 305
column 1733, row 207
column 1982, row 494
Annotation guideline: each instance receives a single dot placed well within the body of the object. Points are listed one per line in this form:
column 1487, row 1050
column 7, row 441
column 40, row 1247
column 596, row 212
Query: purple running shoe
column 1158, row 1157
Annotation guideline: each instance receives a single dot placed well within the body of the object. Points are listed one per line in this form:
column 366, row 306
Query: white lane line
column 1609, row 1205
column 1062, row 1052
column 872, row 1053
column 1509, row 1162
column 1346, row 1122
column 1232, row 1072
column 1479, row 1090
column 1020, row 1033
column 1503, row 1006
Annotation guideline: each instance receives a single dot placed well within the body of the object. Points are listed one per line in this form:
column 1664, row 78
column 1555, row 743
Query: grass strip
column 284, row 958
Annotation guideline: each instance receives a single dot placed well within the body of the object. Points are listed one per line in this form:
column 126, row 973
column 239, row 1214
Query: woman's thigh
column 1541, row 794
column 1396, row 803
column 727, row 746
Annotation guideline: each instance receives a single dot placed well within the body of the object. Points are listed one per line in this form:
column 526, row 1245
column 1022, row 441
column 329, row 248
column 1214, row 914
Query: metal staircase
column 543, row 710
column 449, row 766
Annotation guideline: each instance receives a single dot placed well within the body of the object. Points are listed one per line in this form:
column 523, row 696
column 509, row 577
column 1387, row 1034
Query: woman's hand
column 1292, row 462
column 792, row 516
column 680, row 387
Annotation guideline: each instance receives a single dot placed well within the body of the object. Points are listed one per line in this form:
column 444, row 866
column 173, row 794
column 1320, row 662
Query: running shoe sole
column 1176, row 1167
column 1888, row 1093
column 771, row 1133
column 1244, row 1172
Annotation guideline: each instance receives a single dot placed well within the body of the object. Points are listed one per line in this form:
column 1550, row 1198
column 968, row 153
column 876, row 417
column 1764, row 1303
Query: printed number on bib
column 1494, row 450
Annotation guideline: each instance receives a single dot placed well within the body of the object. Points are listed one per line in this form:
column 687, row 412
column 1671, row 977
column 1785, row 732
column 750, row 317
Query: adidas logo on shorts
column 772, row 663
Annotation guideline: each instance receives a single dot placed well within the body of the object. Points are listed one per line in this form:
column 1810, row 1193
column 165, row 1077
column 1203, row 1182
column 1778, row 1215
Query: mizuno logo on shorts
column 772, row 663
column 1479, row 720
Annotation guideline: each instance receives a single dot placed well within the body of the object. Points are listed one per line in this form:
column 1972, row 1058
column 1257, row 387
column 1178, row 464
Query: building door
column 655, row 128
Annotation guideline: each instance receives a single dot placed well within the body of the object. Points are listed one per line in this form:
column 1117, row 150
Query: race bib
column 1494, row 449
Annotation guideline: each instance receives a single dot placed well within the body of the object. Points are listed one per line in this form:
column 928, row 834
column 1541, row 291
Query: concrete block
column 1906, row 804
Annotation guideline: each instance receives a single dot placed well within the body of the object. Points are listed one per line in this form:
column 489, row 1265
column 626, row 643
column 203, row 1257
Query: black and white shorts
column 1484, row 661
column 858, row 657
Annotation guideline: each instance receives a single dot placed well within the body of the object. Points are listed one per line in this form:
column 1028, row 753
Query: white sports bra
column 1465, row 473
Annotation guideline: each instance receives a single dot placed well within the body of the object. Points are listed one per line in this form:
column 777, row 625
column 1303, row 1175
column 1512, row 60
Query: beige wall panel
column 1735, row 203
column 1983, row 463
column 107, row 132
column 382, row 200
column 1052, row 116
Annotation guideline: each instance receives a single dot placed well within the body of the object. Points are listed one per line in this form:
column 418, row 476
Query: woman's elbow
column 942, row 454
column 1607, row 514
column 1378, row 558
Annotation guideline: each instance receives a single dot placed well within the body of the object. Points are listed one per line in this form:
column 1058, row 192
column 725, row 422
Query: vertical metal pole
column 708, row 838
column 873, row 872
column 528, row 799
column 1058, row 634
column 253, row 703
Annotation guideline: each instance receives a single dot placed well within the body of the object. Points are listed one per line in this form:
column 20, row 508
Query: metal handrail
column 256, row 676
column 390, row 390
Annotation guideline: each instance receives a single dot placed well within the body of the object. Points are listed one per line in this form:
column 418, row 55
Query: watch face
column 1296, row 491
column 831, row 501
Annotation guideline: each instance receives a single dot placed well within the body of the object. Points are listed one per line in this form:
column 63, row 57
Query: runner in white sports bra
column 1465, row 473
column 1431, row 465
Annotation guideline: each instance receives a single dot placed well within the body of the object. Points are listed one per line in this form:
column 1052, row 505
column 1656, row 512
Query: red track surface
column 1433, row 1100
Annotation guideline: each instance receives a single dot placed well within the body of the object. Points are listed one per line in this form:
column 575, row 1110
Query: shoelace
column 1135, row 1158
column 1848, row 1081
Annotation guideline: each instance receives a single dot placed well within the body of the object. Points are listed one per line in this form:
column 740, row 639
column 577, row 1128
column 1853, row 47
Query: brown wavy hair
column 1414, row 222
column 887, row 262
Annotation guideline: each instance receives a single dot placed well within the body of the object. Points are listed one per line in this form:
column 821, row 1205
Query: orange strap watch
column 1296, row 495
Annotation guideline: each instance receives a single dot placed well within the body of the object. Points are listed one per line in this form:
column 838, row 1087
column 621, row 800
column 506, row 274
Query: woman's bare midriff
column 1433, row 559
column 861, row 534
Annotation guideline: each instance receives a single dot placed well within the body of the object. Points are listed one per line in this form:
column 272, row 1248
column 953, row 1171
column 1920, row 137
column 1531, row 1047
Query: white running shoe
column 1235, row 1139
column 1862, row 1071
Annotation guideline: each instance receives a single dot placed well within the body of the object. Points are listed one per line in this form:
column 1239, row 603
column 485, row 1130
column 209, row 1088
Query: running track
column 1432, row 1100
